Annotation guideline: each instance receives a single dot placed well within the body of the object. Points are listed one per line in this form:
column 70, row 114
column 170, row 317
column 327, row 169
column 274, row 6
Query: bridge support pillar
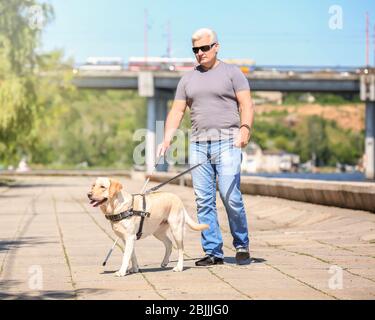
column 156, row 115
column 161, row 116
column 151, row 134
column 157, row 105
column 367, row 94
column 370, row 141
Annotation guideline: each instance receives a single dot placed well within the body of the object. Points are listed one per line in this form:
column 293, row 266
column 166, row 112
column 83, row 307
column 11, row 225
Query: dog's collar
column 131, row 212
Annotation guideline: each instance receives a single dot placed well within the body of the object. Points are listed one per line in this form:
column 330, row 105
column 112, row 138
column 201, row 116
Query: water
column 350, row 176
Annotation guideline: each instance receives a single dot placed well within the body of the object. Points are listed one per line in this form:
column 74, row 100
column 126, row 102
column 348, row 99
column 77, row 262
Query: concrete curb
column 350, row 195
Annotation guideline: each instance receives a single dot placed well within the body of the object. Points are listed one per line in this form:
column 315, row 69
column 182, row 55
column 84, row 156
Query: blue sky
column 274, row 32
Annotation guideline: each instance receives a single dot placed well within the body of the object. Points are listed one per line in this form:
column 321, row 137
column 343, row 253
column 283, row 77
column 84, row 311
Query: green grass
column 293, row 98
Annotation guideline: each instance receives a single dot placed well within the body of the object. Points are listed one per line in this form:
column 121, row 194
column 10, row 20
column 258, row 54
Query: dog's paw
column 178, row 269
column 120, row 273
column 164, row 265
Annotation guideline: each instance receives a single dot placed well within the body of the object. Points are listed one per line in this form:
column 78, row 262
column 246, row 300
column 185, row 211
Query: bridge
column 159, row 87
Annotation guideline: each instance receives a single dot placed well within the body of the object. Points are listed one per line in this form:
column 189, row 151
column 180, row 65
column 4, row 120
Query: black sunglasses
column 203, row 48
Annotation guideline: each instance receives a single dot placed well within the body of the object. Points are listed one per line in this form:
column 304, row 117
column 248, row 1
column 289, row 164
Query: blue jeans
column 226, row 169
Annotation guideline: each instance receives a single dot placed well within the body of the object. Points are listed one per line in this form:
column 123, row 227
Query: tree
column 19, row 38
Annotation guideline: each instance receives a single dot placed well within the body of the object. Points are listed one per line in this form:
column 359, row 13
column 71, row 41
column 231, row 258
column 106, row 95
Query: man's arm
column 172, row 123
column 246, row 109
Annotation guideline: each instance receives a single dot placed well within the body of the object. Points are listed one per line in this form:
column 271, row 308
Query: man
column 218, row 95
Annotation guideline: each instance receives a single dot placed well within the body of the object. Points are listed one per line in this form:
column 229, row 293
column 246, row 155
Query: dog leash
column 153, row 189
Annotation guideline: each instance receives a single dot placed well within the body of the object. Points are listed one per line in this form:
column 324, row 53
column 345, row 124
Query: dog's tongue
column 96, row 203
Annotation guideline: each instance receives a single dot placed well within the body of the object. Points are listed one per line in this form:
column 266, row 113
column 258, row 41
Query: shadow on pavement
column 6, row 245
column 39, row 185
column 44, row 294
column 232, row 260
column 7, row 196
column 143, row 270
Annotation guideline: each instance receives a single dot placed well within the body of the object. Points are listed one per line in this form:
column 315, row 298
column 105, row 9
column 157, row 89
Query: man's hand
column 242, row 138
column 172, row 123
column 162, row 148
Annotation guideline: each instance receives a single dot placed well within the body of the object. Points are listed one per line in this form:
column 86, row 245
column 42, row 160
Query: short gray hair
column 200, row 33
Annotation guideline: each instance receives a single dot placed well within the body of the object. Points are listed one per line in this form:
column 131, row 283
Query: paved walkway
column 52, row 244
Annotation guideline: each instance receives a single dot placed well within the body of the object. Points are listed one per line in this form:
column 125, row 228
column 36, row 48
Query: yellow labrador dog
column 166, row 212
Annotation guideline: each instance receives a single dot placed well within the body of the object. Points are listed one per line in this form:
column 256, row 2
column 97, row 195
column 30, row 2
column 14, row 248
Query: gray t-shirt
column 211, row 97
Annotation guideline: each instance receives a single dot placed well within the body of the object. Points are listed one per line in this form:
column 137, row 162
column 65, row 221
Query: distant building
column 160, row 64
column 101, row 64
column 254, row 160
column 252, row 157
column 180, row 64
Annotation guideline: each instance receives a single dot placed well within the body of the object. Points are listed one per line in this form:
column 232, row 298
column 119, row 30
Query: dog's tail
column 192, row 224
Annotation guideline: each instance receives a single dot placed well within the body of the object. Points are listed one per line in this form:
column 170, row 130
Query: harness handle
column 139, row 233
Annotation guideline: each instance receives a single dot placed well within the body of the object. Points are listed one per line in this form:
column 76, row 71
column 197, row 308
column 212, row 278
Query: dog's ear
column 114, row 187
